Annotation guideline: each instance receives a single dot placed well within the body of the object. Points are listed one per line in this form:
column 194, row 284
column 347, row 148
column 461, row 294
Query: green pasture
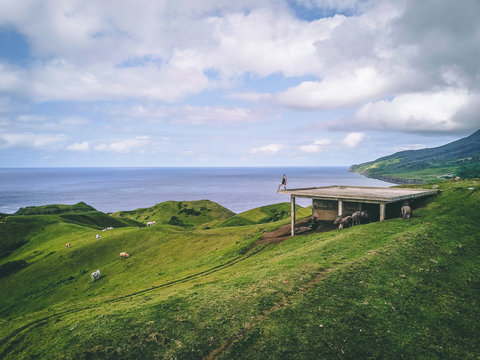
column 397, row 289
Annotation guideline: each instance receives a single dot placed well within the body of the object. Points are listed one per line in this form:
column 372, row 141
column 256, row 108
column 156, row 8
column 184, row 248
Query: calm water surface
column 114, row 189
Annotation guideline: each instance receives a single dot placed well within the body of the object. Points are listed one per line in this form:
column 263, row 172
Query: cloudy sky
column 234, row 83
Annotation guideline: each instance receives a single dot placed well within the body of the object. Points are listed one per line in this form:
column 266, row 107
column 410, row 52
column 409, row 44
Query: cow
column 95, row 275
column 343, row 221
column 406, row 212
column 67, row 245
column 150, row 223
column 356, row 217
column 123, row 255
column 97, row 236
column 338, row 219
column 364, row 219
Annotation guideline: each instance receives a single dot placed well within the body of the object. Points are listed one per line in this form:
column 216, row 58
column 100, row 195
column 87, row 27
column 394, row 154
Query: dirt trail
column 301, row 228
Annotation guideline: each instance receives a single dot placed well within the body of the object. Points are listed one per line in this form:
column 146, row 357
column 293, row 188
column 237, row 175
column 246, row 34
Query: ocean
column 114, row 189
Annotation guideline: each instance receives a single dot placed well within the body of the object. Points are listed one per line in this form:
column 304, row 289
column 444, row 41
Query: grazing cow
column 356, row 217
column 406, row 212
column 67, row 244
column 97, row 236
column 346, row 222
column 364, row 219
column 123, row 255
column 150, row 223
column 338, row 219
column 95, row 275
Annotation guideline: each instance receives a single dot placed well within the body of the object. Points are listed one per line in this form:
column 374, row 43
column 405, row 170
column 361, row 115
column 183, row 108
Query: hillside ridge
column 458, row 158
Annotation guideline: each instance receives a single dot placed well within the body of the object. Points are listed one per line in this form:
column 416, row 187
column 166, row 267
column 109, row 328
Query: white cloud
column 410, row 147
column 30, row 140
column 168, row 50
column 73, row 121
column 194, row 115
column 124, row 146
column 249, row 96
column 332, row 4
column 316, row 146
column 270, row 149
column 101, row 51
column 31, row 118
column 353, row 139
column 83, row 146
column 432, row 111
column 7, row 105
column 341, row 90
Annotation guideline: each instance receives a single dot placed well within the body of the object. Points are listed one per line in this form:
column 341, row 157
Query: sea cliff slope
column 459, row 158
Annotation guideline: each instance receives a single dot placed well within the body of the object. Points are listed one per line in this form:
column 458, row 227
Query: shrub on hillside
column 11, row 267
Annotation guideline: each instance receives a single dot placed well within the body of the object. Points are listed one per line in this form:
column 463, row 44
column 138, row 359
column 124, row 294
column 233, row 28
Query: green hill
column 393, row 289
column 187, row 214
column 264, row 214
column 17, row 230
column 459, row 158
column 54, row 209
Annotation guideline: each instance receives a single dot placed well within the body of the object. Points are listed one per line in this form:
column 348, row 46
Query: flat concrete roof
column 359, row 193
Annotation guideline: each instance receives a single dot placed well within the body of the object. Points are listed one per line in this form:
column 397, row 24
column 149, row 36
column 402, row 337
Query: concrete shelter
column 328, row 202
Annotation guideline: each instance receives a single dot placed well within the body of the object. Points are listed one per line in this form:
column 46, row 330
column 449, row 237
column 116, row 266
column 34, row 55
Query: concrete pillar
column 340, row 207
column 382, row 211
column 292, row 211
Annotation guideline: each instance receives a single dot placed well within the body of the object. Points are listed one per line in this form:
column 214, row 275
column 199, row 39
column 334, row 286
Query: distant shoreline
column 390, row 179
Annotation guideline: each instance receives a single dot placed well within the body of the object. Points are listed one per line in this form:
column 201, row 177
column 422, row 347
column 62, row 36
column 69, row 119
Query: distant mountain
column 459, row 158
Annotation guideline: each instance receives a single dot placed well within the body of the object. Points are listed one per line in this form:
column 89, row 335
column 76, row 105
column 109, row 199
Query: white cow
column 150, row 223
column 97, row 236
column 406, row 212
column 95, row 275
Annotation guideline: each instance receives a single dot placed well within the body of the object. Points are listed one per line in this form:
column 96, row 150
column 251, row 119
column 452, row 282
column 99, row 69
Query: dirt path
column 301, row 228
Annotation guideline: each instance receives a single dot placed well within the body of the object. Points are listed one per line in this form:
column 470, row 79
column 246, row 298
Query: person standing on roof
column 284, row 183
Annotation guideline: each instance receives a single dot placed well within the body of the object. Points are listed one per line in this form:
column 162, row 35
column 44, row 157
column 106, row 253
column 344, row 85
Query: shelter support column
column 292, row 211
column 382, row 211
column 340, row 207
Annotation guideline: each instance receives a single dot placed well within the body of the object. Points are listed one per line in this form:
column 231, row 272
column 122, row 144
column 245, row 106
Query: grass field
column 203, row 289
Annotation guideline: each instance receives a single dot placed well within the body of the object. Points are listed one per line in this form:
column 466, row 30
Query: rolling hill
column 179, row 213
column 459, row 158
column 395, row 289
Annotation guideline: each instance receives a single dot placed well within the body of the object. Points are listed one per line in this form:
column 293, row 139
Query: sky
column 234, row 83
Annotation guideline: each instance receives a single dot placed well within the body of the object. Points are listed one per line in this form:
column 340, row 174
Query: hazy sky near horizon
column 234, row 83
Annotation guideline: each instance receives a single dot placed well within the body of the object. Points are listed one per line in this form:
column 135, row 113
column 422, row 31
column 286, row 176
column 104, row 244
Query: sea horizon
column 110, row 189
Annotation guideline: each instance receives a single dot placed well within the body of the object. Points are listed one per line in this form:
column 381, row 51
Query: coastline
column 390, row 179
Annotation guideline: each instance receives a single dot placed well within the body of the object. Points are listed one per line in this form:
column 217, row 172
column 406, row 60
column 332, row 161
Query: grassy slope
column 186, row 213
column 264, row 214
column 397, row 289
